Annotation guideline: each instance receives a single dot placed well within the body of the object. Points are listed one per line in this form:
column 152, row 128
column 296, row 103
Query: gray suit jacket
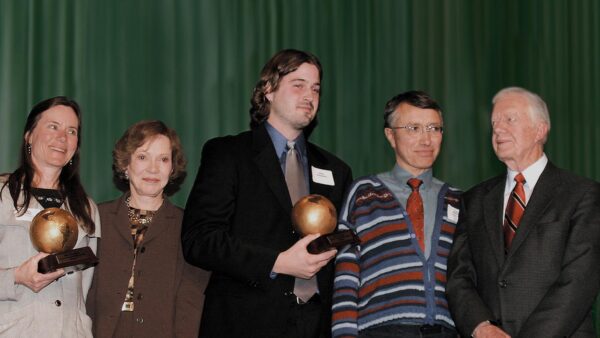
column 545, row 286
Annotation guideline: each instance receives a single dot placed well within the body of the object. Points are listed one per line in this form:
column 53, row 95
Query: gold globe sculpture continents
column 55, row 232
column 316, row 214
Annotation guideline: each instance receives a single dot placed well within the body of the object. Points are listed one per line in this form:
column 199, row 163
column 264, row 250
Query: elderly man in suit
column 237, row 220
column 526, row 256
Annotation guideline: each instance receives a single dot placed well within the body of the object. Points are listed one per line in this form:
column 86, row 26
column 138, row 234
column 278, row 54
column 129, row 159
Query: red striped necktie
column 515, row 208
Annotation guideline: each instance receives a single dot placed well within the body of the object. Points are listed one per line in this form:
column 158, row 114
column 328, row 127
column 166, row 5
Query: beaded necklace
column 48, row 198
column 139, row 220
column 138, row 216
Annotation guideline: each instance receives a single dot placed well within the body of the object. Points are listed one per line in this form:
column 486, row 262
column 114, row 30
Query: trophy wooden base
column 332, row 240
column 71, row 260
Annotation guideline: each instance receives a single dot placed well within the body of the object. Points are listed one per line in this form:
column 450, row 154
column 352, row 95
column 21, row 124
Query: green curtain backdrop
column 193, row 65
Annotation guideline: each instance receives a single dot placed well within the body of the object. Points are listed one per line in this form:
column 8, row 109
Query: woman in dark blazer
column 142, row 286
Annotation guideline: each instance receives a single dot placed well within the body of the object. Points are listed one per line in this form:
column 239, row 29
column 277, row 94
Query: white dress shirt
column 531, row 174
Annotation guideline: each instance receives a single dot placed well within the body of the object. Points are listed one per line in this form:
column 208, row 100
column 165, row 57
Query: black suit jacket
column 237, row 221
column 546, row 285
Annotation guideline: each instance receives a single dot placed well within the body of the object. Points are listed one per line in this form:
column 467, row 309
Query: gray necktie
column 296, row 183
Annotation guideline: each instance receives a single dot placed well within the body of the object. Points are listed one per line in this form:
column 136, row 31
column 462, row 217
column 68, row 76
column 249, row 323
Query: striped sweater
column 387, row 278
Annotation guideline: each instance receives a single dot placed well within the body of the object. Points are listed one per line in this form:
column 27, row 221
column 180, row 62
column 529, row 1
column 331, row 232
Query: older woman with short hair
column 142, row 286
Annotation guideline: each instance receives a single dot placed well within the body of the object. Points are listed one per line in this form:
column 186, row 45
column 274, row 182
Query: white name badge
column 28, row 215
column 322, row 176
column 452, row 214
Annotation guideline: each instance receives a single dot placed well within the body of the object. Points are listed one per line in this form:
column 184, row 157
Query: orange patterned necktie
column 414, row 207
column 515, row 208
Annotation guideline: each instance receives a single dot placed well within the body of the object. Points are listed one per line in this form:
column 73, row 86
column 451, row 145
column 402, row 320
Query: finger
column 326, row 256
column 34, row 261
column 38, row 257
column 321, row 259
column 50, row 276
column 320, row 265
column 303, row 242
column 41, row 255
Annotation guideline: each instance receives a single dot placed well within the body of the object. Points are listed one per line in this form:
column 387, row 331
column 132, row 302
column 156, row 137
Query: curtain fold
column 193, row 64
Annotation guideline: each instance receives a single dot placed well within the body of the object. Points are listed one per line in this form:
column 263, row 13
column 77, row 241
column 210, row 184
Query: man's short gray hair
column 538, row 110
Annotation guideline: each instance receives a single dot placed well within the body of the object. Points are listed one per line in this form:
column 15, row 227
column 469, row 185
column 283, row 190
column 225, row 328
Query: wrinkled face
column 517, row 139
column 295, row 103
column 415, row 151
column 54, row 139
column 150, row 166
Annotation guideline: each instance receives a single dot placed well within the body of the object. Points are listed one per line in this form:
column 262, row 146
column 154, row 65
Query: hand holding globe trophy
column 316, row 214
column 54, row 231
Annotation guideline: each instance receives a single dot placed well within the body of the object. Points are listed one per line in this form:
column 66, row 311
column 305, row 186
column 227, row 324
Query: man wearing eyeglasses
column 526, row 257
column 393, row 283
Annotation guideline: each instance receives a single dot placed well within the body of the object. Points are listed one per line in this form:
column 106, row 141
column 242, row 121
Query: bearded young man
column 237, row 220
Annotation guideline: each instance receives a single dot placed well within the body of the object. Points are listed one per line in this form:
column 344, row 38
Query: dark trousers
column 304, row 320
column 408, row 331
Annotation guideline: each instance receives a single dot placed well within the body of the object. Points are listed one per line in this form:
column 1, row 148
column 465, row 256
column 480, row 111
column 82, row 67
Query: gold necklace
column 138, row 216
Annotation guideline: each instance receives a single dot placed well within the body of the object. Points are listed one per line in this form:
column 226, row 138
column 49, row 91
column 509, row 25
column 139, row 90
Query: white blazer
column 58, row 310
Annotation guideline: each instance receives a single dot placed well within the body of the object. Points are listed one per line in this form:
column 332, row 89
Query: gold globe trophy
column 54, row 231
column 316, row 214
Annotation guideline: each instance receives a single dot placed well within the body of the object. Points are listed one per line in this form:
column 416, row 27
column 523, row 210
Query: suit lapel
column 540, row 199
column 267, row 163
column 161, row 221
column 492, row 215
column 120, row 220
